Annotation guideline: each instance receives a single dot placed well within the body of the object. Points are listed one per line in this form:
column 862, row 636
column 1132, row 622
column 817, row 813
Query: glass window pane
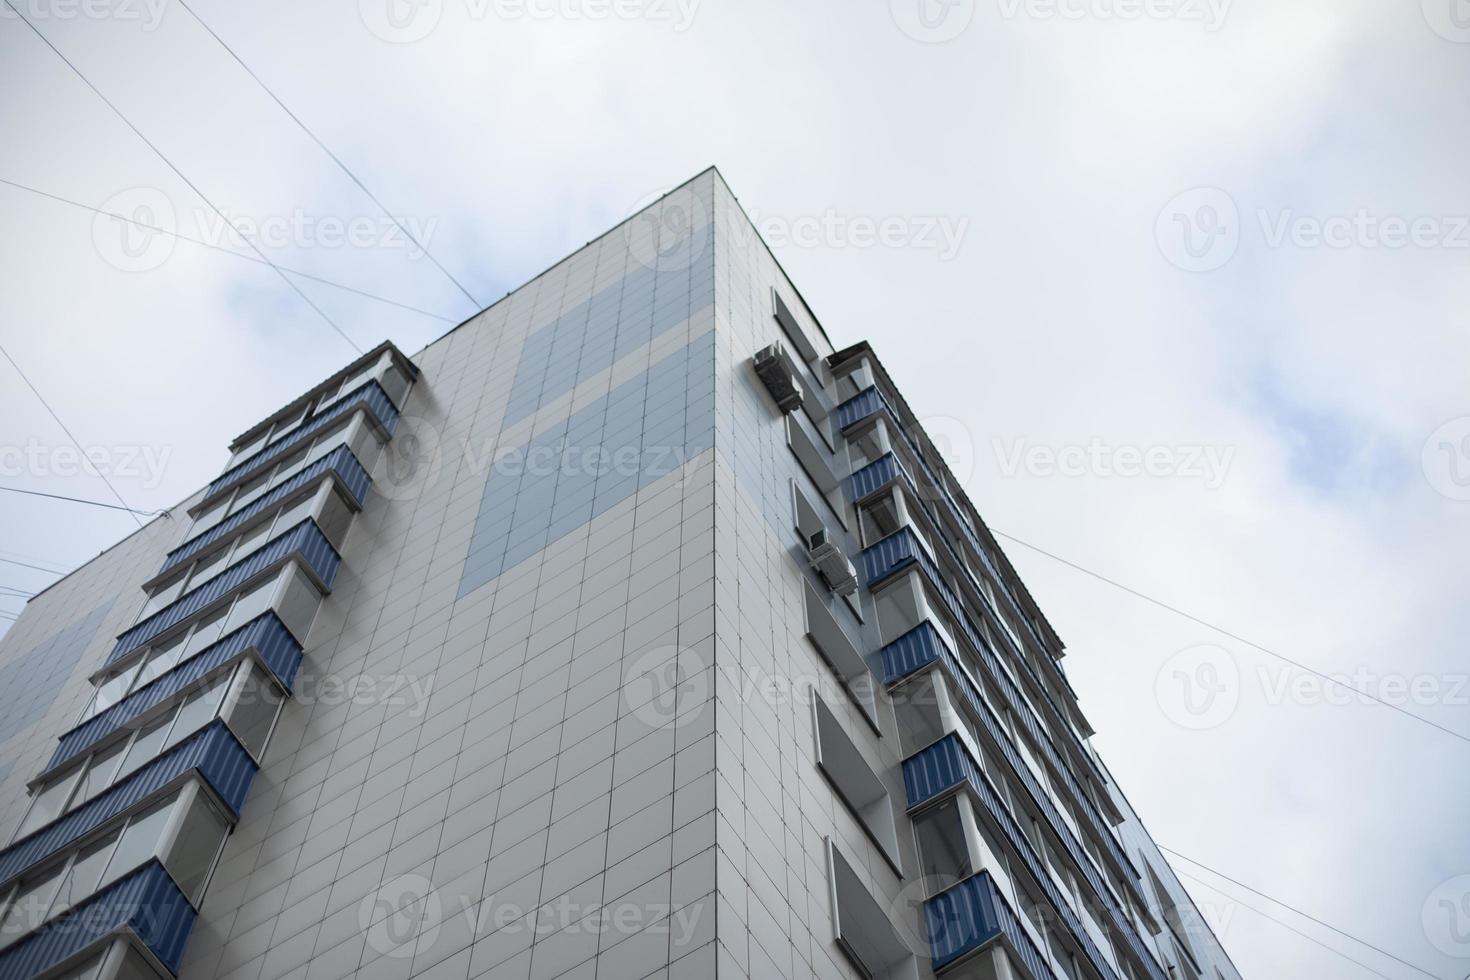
column 162, row 596
column 161, row 659
column 250, row 542
column 101, row 771
column 139, row 842
column 336, row 517
column 395, row 385
column 49, row 803
column 205, row 633
column 86, row 871
column 207, row 568
column 194, row 850
column 112, row 690
column 28, row 910
column 293, row 515
column 254, row 712
column 289, row 467
column 87, row 971
column 209, row 518
column 251, row 604
column 299, row 604
column 197, row 711
column 249, row 491
column 145, row 746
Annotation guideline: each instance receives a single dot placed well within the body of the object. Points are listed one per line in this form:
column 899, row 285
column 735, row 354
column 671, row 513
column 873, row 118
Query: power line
column 335, row 159
column 1336, row 682
column 57, row 419
column 26, row 564
column 1285, row 925
column 80, row 500
column 162, row 156
column 1298, row 911
column 227, row 251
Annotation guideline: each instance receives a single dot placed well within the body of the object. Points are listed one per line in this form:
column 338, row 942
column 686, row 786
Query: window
column 841, row 654
column 110, row 692
column 145, row 746
column 863, row 928
column 857, row 785
column 27, row 908
column 944, row 851
column 82, row 877
column 196, row 711
column 192, row 854
column 253, row 709
column 47, row 805
column 298, row 604
column 139, row 841
column 101, row 771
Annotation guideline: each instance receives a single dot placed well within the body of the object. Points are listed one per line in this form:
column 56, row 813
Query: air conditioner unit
column 828, row 559
column 774, row 369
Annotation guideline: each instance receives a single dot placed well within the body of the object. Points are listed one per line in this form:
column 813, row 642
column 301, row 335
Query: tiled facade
column 564, row 694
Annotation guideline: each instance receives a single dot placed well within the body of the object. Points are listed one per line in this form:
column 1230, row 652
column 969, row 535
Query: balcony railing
column 900, row 550
column 870, row 401
column 922, row 646
column 339, row 462
column 970, row 916
column 369, row 395
column 946, row 764
column 266, row 635
column 304, row 539
column 213, row 751
column 145, row 902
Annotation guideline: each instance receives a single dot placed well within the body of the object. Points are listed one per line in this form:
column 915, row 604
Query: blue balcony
column 947, row 764
column 969, row 917
column 340, row 463
column 922, row 646
column 146, row 903
column 369, row 396
column 867, row 403
column 901, row 550
column 225, row 766
column 265, row 636
column 304, row 540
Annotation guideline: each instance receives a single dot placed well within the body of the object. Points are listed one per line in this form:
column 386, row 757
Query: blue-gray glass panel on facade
column 644, row 429
column 589, row 337
column 145, row 902
column 213, row 750
column 29, row 683
column 266, row 635
column 305, row 539
column 340, row 462
column 369, row 395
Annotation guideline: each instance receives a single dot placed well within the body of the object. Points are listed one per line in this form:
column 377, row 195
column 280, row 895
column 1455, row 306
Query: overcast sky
column 1183, row 284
